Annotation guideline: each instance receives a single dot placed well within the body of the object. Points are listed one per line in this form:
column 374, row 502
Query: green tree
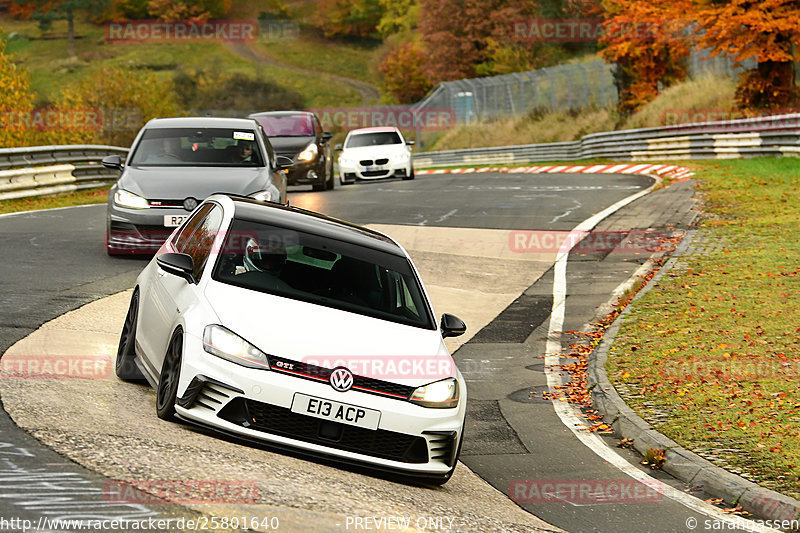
column 349, row 18
column 399, row 16
column 49, row 11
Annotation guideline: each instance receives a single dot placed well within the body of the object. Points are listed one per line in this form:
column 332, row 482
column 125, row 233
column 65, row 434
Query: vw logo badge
column 341, row 379
column 189, row 204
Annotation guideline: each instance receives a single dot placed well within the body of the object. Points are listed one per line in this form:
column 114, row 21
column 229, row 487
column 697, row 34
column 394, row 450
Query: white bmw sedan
column 374, row 153
column 286, row 326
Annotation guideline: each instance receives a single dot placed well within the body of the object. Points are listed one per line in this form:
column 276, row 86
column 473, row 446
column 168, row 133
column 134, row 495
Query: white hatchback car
column 374, row 153
column 282, row 325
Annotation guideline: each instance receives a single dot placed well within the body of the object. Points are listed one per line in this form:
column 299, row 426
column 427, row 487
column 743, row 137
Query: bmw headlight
column 223, row 343
column 309, row 153
column 345, row 161
column 125, row 198
column 405, row 156
column 439, row 394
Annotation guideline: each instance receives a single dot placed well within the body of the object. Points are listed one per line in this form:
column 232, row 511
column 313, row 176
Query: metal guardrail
column 43, row 170
column 777, row 135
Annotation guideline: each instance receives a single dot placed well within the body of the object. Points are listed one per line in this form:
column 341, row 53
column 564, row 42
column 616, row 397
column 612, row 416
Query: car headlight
column 125, row 198
column 263, row 196
column 223, row 343
column 439, row 394
column 404, row 156
column 309, row 153
column 345, row 161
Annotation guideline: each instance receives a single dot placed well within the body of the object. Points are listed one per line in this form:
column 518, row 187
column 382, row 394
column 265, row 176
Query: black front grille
column 375, row 173
column 320, row 373
column 281, row 421
column 381, row 161
column 366, row 162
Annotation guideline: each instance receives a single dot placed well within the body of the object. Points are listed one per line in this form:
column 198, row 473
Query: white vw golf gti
column 282, row 325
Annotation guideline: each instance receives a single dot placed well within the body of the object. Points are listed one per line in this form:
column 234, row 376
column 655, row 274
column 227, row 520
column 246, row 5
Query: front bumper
column 138, row 231
column 357, row 171
column 256, row 404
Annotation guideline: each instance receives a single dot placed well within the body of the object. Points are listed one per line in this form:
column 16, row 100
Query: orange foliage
column 403, row 75
column 648, row 41
column 21, row 10
column 764, row 30
column 16, row 99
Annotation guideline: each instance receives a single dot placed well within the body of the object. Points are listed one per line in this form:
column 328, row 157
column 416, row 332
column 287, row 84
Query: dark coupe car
column 298, row 135
column 176, row 163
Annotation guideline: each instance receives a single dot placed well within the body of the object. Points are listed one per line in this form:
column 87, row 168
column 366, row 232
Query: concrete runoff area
column 118, row 435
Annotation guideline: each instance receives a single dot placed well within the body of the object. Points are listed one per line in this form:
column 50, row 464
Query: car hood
column 195, row 182
column 289, row 145
column 329, row 337
column 367, row 152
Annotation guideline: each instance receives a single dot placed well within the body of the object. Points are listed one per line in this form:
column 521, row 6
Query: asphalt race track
column 54, row 262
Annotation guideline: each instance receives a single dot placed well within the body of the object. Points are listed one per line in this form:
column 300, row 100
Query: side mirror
column 410, row 142
column 452, row 326
column 282, row 162
column 181, row 265
column 338, row 147
column 113, row 162
column 326, row 135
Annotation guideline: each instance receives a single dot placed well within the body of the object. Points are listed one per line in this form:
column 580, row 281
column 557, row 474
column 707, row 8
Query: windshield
column 287, row 125
column 203, row 147
column 316, row 269
column 373, row 139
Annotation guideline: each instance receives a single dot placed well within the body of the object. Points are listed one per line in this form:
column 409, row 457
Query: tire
column 410, row 176
column 125, row 366
column 331, row 182
column 316, row 187
column 167, row 390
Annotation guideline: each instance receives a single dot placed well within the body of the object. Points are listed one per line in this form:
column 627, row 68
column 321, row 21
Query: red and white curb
column 671, row 171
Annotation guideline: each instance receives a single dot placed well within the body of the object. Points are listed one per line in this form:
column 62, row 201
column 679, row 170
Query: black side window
column 179, row 242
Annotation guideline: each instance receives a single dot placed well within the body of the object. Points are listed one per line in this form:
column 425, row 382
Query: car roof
column 376, row 129
column 278, row 113
column 200, row 122
column 312, row 222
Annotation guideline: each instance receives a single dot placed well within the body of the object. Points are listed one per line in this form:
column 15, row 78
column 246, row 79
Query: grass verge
column 711, row 355
column 88, row 196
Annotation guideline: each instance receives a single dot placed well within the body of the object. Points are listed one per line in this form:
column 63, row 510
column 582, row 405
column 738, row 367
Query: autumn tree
column 457, row 34
column 349, row 18
column 125, row 99
column 399, row 16
column 16, row 100
column 648, row 40
column 765, row 30
column 403, row 74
